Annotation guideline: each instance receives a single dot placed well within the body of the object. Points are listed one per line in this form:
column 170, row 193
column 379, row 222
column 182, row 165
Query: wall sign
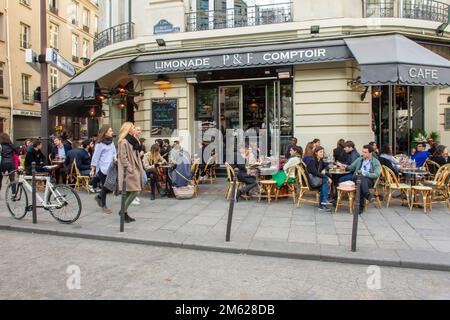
column 447, row 118
column 164, row 26
column 164, row 117
column 26, row 113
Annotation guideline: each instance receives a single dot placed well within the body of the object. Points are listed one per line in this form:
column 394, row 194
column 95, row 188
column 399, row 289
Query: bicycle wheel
column 68, row 201
column 16, row 200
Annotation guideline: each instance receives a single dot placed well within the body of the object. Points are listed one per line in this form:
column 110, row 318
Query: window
column 74, row 46
column 53, row 6
column 75, row 12
column 2, row 84
column 24, row 36
column 54, row 75
column 2, row 27
column 26, row 97
column 95, row 24
column 86, row 17
column 54, row 35
column 86, row 51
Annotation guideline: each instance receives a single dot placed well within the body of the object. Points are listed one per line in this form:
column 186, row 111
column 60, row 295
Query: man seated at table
column 60, row 151
column 351, row 152
column 293, row 144
column 35, row 155
column 370, row 169
column 246, row 164
column 420, row 156
column 81, row 156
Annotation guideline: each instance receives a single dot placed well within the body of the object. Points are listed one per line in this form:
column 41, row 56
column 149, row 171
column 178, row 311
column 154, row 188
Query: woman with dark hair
column 440, row 156
column 386, row 158
column 7, row 154
column 309, row 151
column 104, row 155
column 317, row 178
column 339, row 153
column 295, row 154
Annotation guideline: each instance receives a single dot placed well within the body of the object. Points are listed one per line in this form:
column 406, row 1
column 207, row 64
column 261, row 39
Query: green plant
column 434, row 135
column 419, row 135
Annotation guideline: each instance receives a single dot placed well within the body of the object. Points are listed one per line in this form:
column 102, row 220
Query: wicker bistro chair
column 287, row 186
column 268, row 187
column 75, row 179
column 431, row 167
column 230, row 177
column 437, row 176
column 194, row 180
column 392, row 184
column 426, row 193
column 210, row 170
column 441, row 190
column 304, row 187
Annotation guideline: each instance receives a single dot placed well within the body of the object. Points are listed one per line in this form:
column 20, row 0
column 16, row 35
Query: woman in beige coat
column 128, row 155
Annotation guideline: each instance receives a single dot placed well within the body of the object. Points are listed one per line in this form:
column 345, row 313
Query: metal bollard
column 33, row 192
column 124, row 195
column 356, row 211
column 231, row 208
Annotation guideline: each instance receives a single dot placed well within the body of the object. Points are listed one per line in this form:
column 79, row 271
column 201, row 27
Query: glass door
column 230, row 114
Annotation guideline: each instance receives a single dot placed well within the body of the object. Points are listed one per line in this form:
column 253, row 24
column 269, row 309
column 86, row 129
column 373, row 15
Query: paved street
column 35, row 267
column 395, row 236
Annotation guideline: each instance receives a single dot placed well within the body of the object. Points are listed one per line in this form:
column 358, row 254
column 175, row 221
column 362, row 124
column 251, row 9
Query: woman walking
column 7, row 154
column 128, row 155
column 104, row 155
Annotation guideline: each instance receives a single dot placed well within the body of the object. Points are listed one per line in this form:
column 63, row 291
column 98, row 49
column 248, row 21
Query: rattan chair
column 392, row 184
column 305, row 188
column 75, row 179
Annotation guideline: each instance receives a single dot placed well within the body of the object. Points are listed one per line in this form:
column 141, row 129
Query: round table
column 414, row 173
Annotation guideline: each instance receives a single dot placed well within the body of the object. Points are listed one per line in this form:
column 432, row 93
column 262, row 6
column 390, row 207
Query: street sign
column 31, row 58
column 55, row 59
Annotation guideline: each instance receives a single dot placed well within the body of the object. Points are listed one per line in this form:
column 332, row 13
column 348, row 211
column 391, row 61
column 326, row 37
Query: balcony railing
column 239, row 17
column 119, row 33
column 27, row 98
column 424, row 9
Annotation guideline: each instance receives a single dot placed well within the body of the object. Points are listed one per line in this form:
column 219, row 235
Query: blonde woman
column 151, row 160
column 128, row 155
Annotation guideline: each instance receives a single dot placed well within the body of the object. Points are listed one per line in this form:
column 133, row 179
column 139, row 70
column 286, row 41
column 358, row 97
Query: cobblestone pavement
column 40, row 266
column 395, row 232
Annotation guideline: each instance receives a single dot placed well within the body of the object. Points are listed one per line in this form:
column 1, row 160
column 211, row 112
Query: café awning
column 79, row 92
column 395, row 59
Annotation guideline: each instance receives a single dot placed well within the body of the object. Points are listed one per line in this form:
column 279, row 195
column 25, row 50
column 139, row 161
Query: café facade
column 378, row 86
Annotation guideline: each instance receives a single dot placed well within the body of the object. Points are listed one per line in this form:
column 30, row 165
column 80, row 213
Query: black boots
column 127, row 218
column 152, row 196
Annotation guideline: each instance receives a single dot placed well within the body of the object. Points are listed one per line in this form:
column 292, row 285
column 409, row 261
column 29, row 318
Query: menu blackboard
column 447, row 118
column 164, row 117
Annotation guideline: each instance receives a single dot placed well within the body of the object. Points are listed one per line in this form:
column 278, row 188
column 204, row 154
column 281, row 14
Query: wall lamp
column 161, row 42
column 162, row 80
column 440, row 30
column 315, row 29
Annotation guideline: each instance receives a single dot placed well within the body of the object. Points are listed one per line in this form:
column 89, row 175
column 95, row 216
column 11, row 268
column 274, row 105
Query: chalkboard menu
column 164, row 117
column 447, row 118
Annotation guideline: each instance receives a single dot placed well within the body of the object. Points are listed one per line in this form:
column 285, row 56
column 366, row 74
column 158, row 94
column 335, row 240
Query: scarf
column 134, row 142
column 107, row 140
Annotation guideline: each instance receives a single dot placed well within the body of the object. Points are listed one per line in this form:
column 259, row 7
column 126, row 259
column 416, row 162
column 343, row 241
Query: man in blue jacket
column 420, row 156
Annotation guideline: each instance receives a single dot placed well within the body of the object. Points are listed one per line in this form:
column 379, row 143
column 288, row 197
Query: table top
column 418, row 173
column 58, row 161
column 338, row 172
column 268, row 171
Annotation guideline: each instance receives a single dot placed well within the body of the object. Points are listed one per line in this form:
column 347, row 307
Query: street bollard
column 231, row 208
column 124, row 195
column 356, row 211
column 33, row 192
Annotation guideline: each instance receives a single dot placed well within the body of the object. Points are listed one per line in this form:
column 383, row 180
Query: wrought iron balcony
column 239, row 17
column 119, row 33
column 424, row 10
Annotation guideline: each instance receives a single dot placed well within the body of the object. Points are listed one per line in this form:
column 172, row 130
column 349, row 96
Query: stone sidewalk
column 394, row 237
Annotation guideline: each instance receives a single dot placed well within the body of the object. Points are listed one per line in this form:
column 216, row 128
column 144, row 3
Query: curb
column 359, row 257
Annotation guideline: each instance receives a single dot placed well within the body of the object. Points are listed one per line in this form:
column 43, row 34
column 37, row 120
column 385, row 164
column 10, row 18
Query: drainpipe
column 8, row 64
column 129, row 19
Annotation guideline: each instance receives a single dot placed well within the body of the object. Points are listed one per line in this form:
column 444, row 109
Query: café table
column 57, row 171
column 415, row 173
column 335, row 176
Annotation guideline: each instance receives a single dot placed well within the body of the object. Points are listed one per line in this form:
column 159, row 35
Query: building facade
column 360, row 70
column 71, row 26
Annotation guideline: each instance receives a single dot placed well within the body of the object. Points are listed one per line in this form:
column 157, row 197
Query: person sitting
column 351, row 152
column 35, row 155
column 182, row 174
column 339, row 153
column 386, row 158
column 247, row 171
column 376, row 152
column 309, row 151
column 317, row 179
column 420, row 156
column 294, row 159
column 440, row 156
column 81, row 156
column 151, row 161
column 166, row 149
column 292, row 144
column 432, row 146
column 370, row 169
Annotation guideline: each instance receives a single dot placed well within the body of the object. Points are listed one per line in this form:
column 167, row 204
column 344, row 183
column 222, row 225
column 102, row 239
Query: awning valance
column 80, row 90
column 230, row 58
column 395, row 59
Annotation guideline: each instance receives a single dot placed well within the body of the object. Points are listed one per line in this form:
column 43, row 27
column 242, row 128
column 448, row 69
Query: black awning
column 256, row 56
column 395, row 59
column 79, row 92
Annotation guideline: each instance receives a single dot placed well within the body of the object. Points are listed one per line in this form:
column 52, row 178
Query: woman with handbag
column 151, row 160
column 317, row 179
column 128, row 155
column 104, row 155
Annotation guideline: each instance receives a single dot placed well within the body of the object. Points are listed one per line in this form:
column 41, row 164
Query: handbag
column 186, row 192
column 314, row 181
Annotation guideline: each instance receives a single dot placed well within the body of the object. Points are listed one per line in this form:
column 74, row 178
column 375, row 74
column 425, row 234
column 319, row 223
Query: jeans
column 366, row 184
column 347, row 177
column 10, row 167
column 324, row 191
column 250, row 182
column 104, row 191
column 153, row 176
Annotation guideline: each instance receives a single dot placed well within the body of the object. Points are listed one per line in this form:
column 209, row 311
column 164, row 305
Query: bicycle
column 61, row 201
